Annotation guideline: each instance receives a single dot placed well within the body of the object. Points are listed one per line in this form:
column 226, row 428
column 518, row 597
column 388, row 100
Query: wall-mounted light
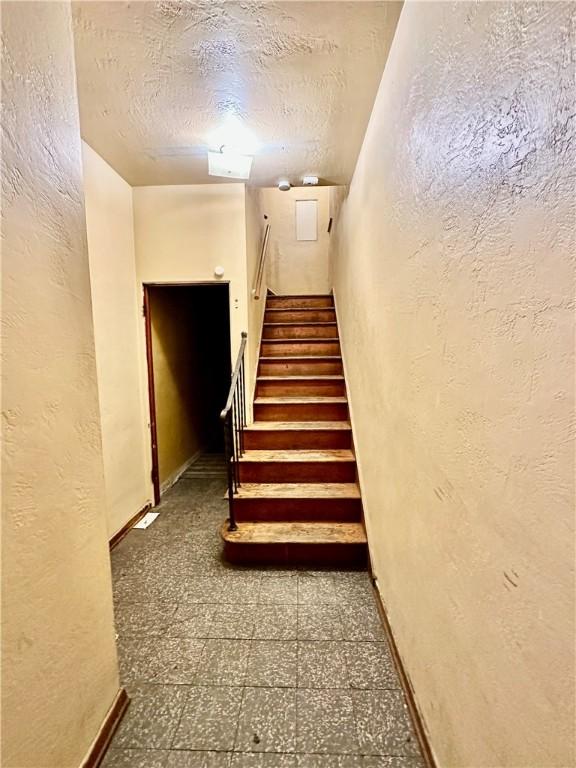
column 284, row 185
column 309, row 181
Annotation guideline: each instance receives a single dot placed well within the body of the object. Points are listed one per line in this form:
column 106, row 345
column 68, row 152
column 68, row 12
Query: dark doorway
column 189, row 368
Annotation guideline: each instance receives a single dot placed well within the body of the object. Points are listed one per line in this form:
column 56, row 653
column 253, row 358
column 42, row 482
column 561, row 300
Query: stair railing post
column 233, row 419
column 242, row 407
column 229, row 471
column 234, row 413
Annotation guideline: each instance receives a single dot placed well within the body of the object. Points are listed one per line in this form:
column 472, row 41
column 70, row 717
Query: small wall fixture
column 309, row 181
column 284, row 185
column 219, row 271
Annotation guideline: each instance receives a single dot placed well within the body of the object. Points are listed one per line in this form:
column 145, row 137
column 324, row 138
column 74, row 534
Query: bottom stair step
column 297, row 533
column 329, row 544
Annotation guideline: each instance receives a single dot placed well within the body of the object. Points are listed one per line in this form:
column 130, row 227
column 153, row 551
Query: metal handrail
column 233, row 417
column 262, row 259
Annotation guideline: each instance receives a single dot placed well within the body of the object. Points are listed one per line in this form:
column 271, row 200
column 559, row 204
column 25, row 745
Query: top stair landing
column 300, row 302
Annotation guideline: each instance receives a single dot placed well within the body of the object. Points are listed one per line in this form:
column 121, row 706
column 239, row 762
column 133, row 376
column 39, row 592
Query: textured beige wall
column 59, row 667
column 297, row 266
column 454, row 280
column 116, row 307
column 183, row 232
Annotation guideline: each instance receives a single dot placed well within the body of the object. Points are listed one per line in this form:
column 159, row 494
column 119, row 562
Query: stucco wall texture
column 117, row 311
column 177, row 234
column 59, row 666
column 183, row 232
column 454, row 279
column 296, row 266
column 302, row 75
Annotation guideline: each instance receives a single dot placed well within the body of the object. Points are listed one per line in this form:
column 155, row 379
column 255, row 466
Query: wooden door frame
column 146, row 287
column 151, row 394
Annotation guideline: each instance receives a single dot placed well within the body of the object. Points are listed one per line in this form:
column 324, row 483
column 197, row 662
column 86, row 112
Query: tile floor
column 238, row 668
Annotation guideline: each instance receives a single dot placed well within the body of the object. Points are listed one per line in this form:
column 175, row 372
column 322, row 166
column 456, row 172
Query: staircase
column 298, row 500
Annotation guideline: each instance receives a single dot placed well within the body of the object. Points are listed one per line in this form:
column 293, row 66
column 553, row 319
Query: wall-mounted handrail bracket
column 233, row 417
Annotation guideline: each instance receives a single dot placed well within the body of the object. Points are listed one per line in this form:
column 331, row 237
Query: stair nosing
column 303, row 399
column 298, row 324
column 318, row 339
column 299, row 309
column 301, row 296
column 301, row 358
column 294, row 426
column 297, row 533
column 303, row 377
column 303, row 491
column 280, row 456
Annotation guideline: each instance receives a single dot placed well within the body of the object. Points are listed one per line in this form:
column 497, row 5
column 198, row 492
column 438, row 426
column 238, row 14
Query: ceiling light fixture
column 229, row 164
column 231, row 149
column 234, row 136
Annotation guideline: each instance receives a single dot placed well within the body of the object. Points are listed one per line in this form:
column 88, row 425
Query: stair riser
column 315, row 555
column 301, row 412
column 297, row 472
column 299, row 332
column 280, row 368
column 299, row 302
column 298, row 510
column 300, row 316
column 296, row 388
column 293, row 440
column 299, row 348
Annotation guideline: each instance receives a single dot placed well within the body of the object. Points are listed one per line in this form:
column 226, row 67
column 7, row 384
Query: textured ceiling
column 155, row 79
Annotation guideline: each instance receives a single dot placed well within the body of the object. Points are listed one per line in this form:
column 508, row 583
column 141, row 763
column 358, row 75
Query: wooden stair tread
column 285, row 311
column 300, row 309
column 329, row 454
column 302, row 358
column 298, row 491
column 302, row 322
column 300, row 399
column 301, row 340
column 302, row 377
column 295, row 533
column 296, row 426
column 301, row 296
column 316, row 301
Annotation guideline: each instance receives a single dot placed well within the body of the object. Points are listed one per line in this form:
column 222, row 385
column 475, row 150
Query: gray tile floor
column 238, row 668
